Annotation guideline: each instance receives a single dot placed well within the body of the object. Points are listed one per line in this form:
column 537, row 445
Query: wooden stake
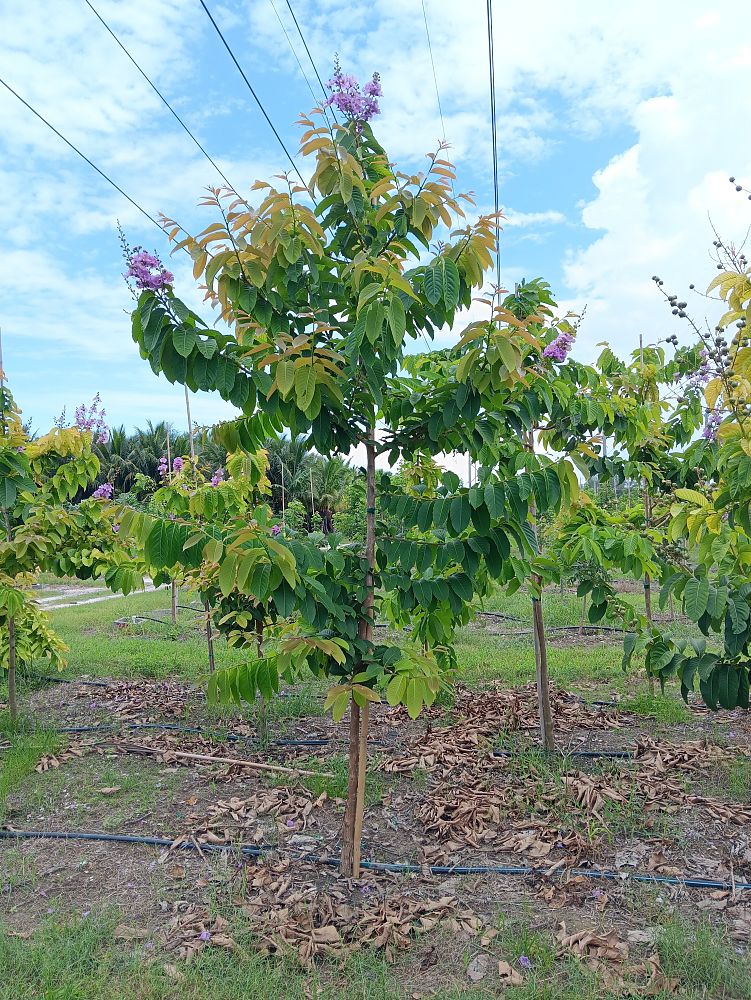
column 209, row 759
column 209, row 636
column 12, row 696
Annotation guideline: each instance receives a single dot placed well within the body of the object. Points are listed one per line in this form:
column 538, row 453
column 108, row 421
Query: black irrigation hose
column 377, row 866
column 68, row 680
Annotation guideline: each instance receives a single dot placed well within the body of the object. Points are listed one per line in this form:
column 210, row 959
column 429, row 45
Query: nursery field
column 492, row 868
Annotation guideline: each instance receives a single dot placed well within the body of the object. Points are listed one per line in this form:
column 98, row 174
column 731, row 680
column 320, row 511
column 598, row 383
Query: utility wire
column 491, row 68
column 312, row 61
column 294, row 50
column 161, row 97
column 83, row 156
column 432, row 63
column 250, row 88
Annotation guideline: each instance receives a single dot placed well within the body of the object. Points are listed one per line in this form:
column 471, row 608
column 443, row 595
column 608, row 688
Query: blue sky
column 617, row 131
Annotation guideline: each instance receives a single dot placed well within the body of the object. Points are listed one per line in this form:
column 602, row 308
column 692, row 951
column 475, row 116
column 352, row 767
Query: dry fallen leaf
column 109, row 790
column 508, row 975
column 125, row 933
column 478, row 968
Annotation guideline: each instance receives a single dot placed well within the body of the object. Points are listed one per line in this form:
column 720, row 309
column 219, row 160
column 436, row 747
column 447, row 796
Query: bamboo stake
column 208, row 759
column 541, row 653
column 209, row 636
column 12, row 696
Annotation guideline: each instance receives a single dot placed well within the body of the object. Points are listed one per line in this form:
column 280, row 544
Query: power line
column 312, row 61
column 83, row 156
column 432, row 63
column 491, row 68
column 294, row 50
column 250, row 88
column 161, row 96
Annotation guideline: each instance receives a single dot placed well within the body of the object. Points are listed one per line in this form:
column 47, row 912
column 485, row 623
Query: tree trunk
column 12, row 697
column 544, row 710
column 173, row 594
column 359, row 718
column 262, row 724
column 584, row 616
column 209, row 636
column 647, row 581
column 541, row 668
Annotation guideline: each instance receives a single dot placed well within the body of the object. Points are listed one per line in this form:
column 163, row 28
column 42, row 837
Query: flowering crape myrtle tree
column 42, row 530
column 709, row 517
column 506, row 385
column 321, row 302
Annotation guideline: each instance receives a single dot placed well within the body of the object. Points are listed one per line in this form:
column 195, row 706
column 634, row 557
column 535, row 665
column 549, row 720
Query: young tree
column 321, row 305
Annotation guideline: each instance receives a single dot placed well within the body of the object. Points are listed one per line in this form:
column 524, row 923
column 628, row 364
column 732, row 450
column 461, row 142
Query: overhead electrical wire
column 161, row 96
column 494, row 135
column 312, row 61
column 293, row 50
column 256, row 98
column 83, row 156
column 435, row 75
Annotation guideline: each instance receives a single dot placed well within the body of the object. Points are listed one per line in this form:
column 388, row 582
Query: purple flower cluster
column 275, row 530
column 104, row 492
column 148, row 271
column 91, row 419
column 178, row 464
column 163, row 467
column 218, row 477
column 702, row 376
column 712, row 421
column 558, row 349
column 358, row 105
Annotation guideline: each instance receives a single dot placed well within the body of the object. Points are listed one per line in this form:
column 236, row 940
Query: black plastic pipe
column 378, row 866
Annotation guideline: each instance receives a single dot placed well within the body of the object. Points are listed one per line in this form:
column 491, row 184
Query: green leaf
column 305, row 386
column 285, row 376
column 184, row 339
column 450, row 283
column 433, row 285
column 8, row 493
column 695, row 596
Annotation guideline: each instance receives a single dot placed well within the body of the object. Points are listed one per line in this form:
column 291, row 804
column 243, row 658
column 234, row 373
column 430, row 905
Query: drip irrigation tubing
column 378, row 866
column 321, row 742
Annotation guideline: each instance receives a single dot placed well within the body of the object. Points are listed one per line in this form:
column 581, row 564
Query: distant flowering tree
column 90, row 419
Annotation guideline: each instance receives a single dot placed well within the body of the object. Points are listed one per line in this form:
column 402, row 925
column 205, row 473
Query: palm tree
column 119, row 464
column 290, row 463
column 331, row 476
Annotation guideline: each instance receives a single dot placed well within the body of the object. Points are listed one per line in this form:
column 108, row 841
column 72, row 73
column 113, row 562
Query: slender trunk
column 359, row 718
column 545, row 713
column 672, row 608
column 647, row 581
column 173, row 592
column 12, row 697
column 262, row 724
column 584, row 616
column 209, row 636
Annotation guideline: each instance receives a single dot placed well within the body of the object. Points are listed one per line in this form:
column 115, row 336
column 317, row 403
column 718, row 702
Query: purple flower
column 218, row 477
column 290, row 823
column 355, row 104
column 275, row 530
column 558, row 349
column 177, row 465
column 712, row 421
column 205, row 936
column 525, row 962
column 148, row 271
column 163, row 467
column 104, row 492
column 115, row 528
column 91, row 419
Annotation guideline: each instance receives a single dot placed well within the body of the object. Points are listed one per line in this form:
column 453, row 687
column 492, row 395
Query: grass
column 79, row 960
column 666, row 709
column 336, row 787
column 20, row 759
